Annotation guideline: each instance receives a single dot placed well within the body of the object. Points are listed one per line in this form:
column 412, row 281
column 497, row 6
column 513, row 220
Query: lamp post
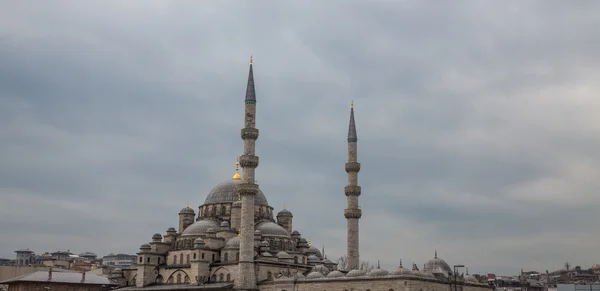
column 456, row 267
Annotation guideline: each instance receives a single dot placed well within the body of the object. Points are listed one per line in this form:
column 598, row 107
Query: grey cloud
column 476, row 122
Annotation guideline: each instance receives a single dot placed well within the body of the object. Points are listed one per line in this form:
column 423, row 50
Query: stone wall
column 367, row 284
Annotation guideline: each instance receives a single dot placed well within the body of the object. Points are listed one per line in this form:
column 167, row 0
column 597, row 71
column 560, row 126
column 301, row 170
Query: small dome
column 312, row 259
column 437, row 265
column 200, row 227
column 224, row 224
column 402, row 271
column 283, row 255
column 233, row 243
column 199, row 241
column 187, row 210
column 335, row 274
column 377, row 273
column 271, row 229
column 237, row 203
column 171, row 229
column 284, row 213
column 117, row 270
column 471, row 278
column 321, row 268
column 157, row 236
column 266, row 254
column 315, row 275
column 145, row 247
column 355, row 273
column 264, row 243
column 257, row 232
column 295, row 233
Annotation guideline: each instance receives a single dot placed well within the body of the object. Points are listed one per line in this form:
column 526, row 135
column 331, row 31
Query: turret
column 284, row 218
column 186, row 217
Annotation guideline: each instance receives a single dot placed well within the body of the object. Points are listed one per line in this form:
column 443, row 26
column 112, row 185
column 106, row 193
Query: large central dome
column 225, row 193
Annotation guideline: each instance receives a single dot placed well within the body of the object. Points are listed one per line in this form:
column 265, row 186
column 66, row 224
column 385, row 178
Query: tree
column 363, row 265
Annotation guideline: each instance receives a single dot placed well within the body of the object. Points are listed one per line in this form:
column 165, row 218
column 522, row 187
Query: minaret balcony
column 250, row 133
column 353, row 213
column 247, row 189
column 352, row 167
column 352, row 190
column 249, row 161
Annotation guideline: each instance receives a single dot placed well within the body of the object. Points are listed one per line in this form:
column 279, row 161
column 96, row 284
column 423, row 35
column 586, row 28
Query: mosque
column 236, row 242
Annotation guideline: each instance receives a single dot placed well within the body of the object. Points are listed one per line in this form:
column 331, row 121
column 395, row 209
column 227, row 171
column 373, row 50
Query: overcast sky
column 478, row 123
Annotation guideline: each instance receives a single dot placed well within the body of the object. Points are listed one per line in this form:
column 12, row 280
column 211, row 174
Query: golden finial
column 239, row 233
column 352, row 104
column 251, row 60
column 283, row 206
column 237, row 176
column 309, row 242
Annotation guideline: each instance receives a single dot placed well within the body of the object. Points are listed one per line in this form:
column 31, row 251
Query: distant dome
column 224, row 224
column 315, row 251
column 171, row 229
column 355, row 273
column 312, row 259
column 272, row 229
column 377, row 273
column 321, row 268
column 187, row 210
column 226, row 193
column 284, row 213
column 200, row 227
column 264, row 243
column 402, row 271
column 266, row 254
column 437, row 265
column 233, row 243
column 157, row 236
column 326, row 261
column 315, row 275
column 145, row 247
column 335, row 274
column 471, row 278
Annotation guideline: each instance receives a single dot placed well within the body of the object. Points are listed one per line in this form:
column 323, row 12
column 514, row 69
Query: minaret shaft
column 246, row 276
column 352, row 191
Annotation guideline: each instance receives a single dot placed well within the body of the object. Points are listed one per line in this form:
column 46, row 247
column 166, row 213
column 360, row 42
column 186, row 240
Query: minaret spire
column 247, row 190
column 352, row 191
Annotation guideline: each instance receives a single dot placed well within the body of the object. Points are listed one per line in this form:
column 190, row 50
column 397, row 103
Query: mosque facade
column 235, row 241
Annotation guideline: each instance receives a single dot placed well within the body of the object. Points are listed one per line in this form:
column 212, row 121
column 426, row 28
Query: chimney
column 50, row 274
column 83, row 277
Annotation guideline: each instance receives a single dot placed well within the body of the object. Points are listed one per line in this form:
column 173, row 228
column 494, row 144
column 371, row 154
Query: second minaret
column 352, row 191
column 246, row 276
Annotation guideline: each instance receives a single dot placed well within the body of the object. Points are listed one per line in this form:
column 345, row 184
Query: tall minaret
column 352, row 213
column 247, row 189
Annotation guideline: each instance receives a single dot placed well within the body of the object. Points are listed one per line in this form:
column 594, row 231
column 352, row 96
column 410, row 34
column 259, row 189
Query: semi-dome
column 321, row 268
column 272, row 229
column 437, row 265
column 200, row 227
column 312, row 259
column 226, row 193
column 335, row 274
column 471, row 278
column 233, row 243
column 315, row 251
column 283, row 255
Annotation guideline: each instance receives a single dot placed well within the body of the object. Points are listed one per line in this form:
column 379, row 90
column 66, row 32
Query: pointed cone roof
column 352, row 127
column 250, row 93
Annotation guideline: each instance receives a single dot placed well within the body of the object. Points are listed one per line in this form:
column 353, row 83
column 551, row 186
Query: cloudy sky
column 477, row 123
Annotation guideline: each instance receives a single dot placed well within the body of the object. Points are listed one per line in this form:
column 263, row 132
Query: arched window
column 228, row 278
column 148, row 260
column 260, row 212
column 269, row 276
column 186, row 279
column 159, row 261
column 295, row 260
column 214, row 210
column 178, row 278
column 159, row 279
column 226, row 257
column 223, row 210
column 237, row 256
column 181, row 258
column 221, row 277
column 213, row 257
column 213, row 278
column 194, row 256
column 188, row 259
column 141, row 259
column 200, row 214
column 175, row 260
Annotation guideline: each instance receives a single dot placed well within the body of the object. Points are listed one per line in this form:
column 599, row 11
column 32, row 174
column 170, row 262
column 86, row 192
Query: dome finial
column 284, row 206
column 251, row 60
column 239, row 233
column 237, row 176
column 188, row 204
column 309, row 242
